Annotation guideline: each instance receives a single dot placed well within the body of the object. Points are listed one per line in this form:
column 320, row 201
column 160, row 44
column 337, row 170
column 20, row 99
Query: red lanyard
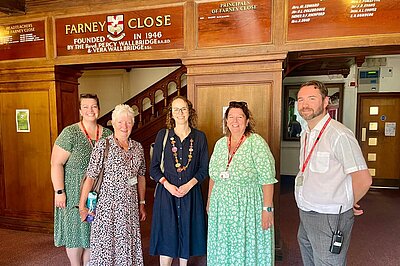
column 313, row 147
column 87, row 135
column 233, row 153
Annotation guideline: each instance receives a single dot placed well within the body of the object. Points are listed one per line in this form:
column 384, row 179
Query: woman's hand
column 184, row 189
column 83, row 213
column 267, row 220
column 142, row 212
column 173, row 189
column 60, row 200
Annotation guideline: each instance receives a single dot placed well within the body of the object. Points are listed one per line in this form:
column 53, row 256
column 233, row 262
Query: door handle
column 363, row 134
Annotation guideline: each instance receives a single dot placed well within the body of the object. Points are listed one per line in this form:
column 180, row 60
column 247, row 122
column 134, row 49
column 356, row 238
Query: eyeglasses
column 237, row 104
column 178, row 110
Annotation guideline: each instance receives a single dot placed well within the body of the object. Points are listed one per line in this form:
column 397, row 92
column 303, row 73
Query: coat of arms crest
column 115, row 26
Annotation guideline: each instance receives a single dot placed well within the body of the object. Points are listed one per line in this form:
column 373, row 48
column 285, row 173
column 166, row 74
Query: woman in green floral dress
column 240, row 204
column 69, row 160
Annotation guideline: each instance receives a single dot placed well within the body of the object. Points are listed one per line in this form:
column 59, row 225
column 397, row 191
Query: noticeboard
column 23, row 40
column 141, row 30
column 225, row 23
column 311, row 19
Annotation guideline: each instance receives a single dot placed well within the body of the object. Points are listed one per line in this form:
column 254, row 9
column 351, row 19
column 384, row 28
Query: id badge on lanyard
column 225, row 174
column 300, row 177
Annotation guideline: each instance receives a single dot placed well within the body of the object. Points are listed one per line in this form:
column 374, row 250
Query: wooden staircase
column 151, row 109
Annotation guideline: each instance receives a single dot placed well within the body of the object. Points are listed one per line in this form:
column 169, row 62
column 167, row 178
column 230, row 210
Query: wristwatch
column 142, row 202
column 268, row 209
column 60, row 191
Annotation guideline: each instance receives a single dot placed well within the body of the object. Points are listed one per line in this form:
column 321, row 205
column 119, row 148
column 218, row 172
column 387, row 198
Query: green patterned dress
column 235, row 235
column 69, row 231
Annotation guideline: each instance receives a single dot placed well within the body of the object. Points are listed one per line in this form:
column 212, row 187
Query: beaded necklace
column 178, row 165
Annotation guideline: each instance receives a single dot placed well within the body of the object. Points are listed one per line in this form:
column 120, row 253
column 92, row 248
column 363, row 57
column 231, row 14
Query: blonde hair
column 122, row 109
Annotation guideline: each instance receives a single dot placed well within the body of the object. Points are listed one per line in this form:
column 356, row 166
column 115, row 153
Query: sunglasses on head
column 237, row 104
column 88, row 95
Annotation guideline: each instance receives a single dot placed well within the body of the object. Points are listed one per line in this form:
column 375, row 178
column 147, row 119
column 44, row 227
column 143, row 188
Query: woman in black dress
column 178, row 225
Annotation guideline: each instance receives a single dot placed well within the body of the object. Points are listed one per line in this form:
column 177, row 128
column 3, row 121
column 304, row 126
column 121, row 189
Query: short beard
column 312, row 115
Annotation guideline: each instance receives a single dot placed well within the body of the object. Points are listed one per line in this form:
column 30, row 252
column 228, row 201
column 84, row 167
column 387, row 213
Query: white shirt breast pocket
column 320, row 163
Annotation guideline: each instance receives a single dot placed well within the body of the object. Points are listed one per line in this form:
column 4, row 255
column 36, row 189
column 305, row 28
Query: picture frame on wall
column 293, row 122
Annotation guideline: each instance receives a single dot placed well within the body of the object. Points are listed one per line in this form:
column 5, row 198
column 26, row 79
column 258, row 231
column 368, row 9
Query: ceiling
column 12, row 7
column 332, row 61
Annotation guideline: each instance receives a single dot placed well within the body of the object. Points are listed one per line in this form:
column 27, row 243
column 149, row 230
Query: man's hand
column 356, row 210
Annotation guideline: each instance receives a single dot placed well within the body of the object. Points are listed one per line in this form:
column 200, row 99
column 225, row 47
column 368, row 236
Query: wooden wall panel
column 26, row 193
column 27, row 186
column 212, row 86
column 67, row 96
column 213, row 97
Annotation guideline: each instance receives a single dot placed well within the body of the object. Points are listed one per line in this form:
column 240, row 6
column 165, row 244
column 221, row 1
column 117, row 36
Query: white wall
column 142, row 78
column 109, row 85
column 117, row 86
column 391, row 84
column 290, row 149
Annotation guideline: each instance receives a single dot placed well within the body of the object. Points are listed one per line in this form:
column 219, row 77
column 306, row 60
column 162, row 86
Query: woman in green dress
column 240, row 203
column 69, row 160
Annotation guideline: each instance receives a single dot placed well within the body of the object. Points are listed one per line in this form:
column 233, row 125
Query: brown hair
column 317, row 85
column 170, row 122
column 250, row 128
column 89, row 96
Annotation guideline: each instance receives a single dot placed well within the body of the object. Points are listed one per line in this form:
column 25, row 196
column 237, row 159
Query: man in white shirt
column 333, row 177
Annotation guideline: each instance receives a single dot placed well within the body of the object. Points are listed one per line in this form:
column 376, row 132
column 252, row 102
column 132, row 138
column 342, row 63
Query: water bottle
column 91, row 205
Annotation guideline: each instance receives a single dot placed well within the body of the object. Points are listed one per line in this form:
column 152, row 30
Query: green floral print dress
column 235, row 234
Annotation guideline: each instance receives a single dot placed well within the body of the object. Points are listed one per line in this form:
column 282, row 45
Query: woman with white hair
column 115, row 236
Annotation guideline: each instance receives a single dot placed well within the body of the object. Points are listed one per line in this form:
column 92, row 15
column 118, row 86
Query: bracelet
column 142, row 202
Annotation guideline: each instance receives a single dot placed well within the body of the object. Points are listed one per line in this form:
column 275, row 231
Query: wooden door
column 379, row 136
column 25, row 181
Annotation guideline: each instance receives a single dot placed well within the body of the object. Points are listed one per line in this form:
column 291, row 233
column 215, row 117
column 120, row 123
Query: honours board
column 23, row 40
column 311, row 19
column 225, row 23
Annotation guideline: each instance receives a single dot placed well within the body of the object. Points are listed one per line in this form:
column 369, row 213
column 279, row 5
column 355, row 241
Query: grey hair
column 122, row 109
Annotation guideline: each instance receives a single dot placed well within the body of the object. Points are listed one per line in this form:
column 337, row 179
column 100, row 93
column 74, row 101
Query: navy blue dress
column 178, row 227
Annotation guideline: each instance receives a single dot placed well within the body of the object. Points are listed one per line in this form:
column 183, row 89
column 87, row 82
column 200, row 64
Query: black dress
column 178, row 227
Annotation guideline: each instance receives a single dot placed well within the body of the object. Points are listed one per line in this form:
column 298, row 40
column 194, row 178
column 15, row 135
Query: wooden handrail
column 155, row 109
